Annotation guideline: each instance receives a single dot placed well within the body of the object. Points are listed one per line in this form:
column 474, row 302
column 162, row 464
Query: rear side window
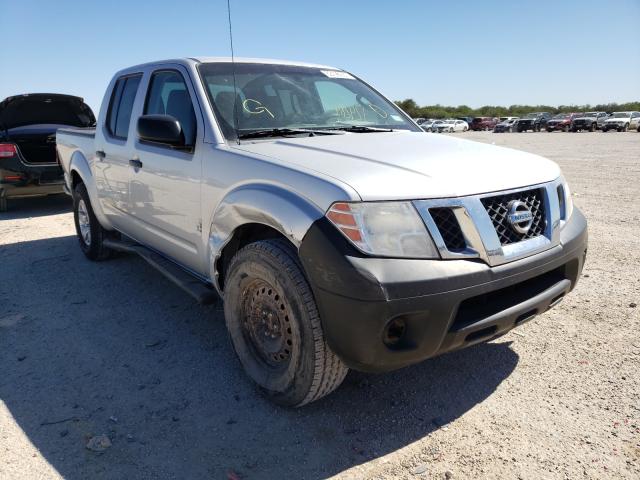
column 119, row 113
column 168, row 95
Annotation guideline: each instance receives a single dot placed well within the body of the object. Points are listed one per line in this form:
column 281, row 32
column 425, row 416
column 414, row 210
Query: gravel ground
column 114, row 349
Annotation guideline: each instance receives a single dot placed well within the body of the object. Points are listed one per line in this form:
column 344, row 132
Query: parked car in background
column 430, row 125
column 336, row 240
column 483, row 123
column 535, row 122
column 561, row 122
column 465, row 119
column 621, row 121
column 506, row 125
column 28, row 124
column 419, row 120
column 450, row 126
column 591, row 121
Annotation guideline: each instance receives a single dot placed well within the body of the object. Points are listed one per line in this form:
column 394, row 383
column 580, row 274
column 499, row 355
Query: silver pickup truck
column 337, row 232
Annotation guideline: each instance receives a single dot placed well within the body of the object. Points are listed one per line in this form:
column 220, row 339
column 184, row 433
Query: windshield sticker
column 258, row 108
column 337, row 74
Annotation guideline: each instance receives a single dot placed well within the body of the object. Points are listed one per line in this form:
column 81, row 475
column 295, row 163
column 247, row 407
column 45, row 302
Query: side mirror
column 161, row 129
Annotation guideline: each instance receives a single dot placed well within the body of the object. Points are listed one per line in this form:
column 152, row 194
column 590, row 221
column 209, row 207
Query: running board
column 196, row 288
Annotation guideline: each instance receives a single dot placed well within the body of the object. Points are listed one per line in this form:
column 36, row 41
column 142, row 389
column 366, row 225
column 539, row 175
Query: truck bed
column 71, row 142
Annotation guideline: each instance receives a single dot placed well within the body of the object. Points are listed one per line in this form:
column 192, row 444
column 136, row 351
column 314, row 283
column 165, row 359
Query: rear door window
column 121, row 105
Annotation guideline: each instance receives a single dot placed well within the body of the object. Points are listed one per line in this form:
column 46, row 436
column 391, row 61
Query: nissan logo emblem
column 519, row 216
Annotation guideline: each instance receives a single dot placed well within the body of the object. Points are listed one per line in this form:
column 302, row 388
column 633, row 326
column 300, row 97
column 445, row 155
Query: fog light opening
column 394, row 332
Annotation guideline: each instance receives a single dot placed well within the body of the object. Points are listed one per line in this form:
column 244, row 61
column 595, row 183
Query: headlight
column 389, row 229
column 565, row 200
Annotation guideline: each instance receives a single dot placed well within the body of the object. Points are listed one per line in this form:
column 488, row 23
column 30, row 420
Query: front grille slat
column 498, row 208
column 449, row 228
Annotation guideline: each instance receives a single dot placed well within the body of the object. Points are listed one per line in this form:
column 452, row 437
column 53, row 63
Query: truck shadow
column 37, row 206
column 113, row 348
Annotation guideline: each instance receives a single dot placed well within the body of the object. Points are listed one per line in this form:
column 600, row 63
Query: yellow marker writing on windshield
column 258, row 107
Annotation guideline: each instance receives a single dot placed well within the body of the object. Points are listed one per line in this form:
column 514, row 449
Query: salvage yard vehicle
column 561, row 122
column 338, row 234
column 621, row 121
column 506, row 125
column 591, row 121
column 28, row 123
column 430, row 125
column 533, row 121
column 450, row 126
column 483, row 123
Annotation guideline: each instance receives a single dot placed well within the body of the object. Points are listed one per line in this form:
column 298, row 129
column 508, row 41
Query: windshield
column 621, row 115
column 273, row 96
column 531, row 115
column 590, row 114
column 39, row 109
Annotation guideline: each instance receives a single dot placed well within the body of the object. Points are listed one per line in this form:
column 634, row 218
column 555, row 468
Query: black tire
column 275, row 327
column 593, row 127
column 3, row 203
column 625, row 128
column 91, row 244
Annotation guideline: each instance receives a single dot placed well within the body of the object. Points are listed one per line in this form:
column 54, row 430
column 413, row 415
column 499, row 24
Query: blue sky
column 464, row 52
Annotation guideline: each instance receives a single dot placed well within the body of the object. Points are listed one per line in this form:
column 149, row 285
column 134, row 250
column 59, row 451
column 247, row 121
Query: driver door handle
column 135, row 163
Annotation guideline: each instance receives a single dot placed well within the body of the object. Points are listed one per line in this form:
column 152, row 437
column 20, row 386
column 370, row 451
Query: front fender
column 80, row 165
column 285, row 211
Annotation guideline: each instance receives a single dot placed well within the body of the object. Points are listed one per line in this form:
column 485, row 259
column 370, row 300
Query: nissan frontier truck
column 337, row 233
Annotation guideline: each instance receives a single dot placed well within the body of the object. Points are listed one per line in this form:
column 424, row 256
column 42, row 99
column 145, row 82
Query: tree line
column 442, row 111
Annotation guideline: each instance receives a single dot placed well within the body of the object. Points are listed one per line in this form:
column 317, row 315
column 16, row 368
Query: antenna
column 233, row 71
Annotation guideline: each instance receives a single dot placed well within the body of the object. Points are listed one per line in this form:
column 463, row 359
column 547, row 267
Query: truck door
column 114, row 148
column 165, row 185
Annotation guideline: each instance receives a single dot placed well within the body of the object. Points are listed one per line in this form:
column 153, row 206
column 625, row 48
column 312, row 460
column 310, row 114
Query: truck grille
column 449, row 228
column 498, row 208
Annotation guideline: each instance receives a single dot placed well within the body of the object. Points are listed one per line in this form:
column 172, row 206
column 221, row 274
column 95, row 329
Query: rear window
column 45, row 109
column 121, row 105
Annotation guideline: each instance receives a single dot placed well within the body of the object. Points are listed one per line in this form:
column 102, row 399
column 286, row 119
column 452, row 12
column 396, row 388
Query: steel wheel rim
column 266, row 325
column 83, row 222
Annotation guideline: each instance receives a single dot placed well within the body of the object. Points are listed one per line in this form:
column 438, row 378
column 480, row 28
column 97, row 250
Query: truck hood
column 409, row 165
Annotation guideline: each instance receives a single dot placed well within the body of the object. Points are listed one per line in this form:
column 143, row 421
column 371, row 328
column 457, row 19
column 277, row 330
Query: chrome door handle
column 135, row 163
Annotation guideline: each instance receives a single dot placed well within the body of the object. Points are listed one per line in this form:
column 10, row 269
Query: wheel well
column 243, row 236
column 75, row 180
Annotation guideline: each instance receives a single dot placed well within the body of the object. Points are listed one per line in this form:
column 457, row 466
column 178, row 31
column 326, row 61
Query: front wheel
column 275, row 326
column 90, row 232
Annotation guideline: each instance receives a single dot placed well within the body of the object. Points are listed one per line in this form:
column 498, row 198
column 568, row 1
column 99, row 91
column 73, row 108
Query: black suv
column 533, row 121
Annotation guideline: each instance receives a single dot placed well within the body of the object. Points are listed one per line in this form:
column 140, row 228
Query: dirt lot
column 115, row 349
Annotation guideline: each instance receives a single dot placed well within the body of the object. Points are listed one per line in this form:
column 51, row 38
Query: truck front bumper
column 380, row 314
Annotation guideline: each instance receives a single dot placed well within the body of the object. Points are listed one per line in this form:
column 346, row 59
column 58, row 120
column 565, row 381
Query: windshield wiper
column 361, row 129
column 281, row 132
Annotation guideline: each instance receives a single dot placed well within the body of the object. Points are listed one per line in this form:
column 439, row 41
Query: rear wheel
column 275, row 327
column 593, row 127
column 3, row 202
column 90, row 232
